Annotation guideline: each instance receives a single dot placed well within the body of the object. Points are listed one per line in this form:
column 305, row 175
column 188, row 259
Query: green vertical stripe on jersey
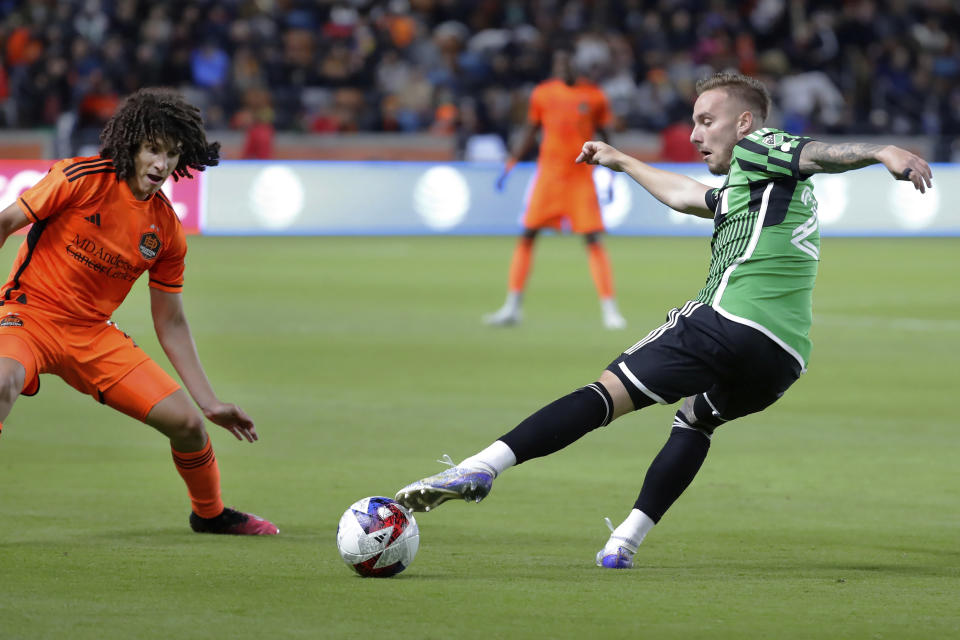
column 766, row 241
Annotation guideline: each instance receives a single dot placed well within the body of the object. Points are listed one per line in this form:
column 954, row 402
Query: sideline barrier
column 382, row 198
column 404, row 198
column 187, row 197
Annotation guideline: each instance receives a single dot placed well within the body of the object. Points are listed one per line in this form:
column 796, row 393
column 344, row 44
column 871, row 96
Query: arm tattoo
column 820, row 157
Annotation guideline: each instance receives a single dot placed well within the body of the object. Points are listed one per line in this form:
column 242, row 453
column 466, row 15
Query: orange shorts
column 564, row 196
column 99, row 360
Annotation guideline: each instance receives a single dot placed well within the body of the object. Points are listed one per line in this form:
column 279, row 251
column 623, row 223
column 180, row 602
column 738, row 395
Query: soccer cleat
column 616, row 554
column 611, row 314
column 455, row 482
column 621, row 559
column 505, row 316
column 613, row 320
column 233, row 522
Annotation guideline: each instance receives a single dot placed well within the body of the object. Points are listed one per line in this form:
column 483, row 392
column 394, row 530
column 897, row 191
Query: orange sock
column 200, row 471
column 600, row 270
column 520, row 265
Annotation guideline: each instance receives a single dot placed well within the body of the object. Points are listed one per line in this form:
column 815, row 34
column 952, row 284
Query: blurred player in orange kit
column 98, row 223
column 568, row 110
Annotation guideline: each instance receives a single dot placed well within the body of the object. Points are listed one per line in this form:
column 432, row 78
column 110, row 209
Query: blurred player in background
column 568, row 110
column 734, row 349
column 99, row 223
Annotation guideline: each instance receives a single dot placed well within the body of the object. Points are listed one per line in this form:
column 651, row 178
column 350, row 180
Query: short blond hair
column 750, row 91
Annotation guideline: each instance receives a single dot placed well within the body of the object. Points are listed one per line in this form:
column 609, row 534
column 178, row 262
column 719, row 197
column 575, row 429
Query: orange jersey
column 569, row 117
column 90, row 240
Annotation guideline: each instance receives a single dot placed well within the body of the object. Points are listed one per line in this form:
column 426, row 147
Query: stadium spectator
column 675, row 145
column 655, row 95
column 257, row 120
column 496, row 47
column 733, row 350
column 99, row 102
column 210, row 66
column 98, row 223
column 5, row 103
column 811, row 102
column 478, row 140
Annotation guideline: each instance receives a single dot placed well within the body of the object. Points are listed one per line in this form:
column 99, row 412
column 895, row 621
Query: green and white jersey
column 766, row 241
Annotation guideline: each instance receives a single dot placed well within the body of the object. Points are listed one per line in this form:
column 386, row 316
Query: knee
column 618, row 394
column 591, row 238
column 697, row 413
column 11, row 382
column 189, row 428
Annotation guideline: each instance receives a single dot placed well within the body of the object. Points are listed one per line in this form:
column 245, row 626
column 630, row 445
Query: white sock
column 609, row 306
column 496, row 458
column 513, row 301
column 631, row 532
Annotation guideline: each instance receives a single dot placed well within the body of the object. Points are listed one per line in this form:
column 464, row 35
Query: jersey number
column 802, row 232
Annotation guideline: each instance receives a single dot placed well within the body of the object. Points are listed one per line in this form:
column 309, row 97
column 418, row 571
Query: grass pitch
column 832, row 514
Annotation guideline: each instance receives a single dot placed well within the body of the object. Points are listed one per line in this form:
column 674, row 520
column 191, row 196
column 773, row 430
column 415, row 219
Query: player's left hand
column 904, row 165
column 233, row 419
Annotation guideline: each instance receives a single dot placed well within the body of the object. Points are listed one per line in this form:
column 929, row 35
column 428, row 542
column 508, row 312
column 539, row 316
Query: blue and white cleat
column 472, row 485
column 617, row 553
column 621, row 559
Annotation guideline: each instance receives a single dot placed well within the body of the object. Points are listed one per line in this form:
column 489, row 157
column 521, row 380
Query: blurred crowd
column 465, row 67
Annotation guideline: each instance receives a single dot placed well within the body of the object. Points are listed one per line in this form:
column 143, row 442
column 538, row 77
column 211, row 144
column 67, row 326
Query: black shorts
column 738, row 368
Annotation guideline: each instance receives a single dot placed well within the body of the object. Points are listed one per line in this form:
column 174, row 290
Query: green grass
column 831, row 515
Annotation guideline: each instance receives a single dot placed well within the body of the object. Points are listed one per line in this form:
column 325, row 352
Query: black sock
column 672, row 471
column 560, row 423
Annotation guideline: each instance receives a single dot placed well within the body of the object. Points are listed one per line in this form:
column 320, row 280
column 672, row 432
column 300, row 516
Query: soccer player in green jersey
column 739, row 344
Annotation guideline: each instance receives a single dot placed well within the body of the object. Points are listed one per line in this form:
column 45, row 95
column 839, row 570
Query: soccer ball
column 377, row 537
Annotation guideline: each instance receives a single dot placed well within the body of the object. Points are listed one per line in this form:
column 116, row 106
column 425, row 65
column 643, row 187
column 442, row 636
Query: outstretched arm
column 11, row 219
column 528, row 138
column 820, row 157
column 672, row 189
column 175, row 337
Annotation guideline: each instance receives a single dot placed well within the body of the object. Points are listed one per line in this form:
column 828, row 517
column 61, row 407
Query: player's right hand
column 502, row 180
column 596, row 152
column 233, row 419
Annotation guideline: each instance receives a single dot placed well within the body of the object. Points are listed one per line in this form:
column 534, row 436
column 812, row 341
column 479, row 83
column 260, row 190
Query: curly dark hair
column 750, row 91
column 157, row 115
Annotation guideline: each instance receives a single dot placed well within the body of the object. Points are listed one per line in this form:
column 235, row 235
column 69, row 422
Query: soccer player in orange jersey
column 98, row 223
column 568, row 111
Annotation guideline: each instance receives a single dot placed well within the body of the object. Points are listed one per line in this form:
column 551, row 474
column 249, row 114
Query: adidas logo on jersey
column 95, row 219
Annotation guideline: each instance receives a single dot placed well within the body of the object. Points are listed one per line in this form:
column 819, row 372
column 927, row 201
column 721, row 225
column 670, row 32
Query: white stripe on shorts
column 672, row 317
column 716, row 414
column 639, row 385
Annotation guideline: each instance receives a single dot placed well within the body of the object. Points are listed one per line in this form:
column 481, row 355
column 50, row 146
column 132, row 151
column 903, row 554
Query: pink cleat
column 233, row 522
